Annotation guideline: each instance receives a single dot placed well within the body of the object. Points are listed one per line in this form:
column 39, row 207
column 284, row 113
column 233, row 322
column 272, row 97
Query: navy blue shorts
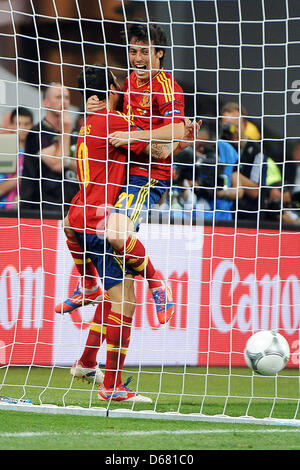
column 109, row 264
column 136, row 199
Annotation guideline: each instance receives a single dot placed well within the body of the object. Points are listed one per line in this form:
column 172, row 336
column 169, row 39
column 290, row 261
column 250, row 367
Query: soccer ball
column 267, row 352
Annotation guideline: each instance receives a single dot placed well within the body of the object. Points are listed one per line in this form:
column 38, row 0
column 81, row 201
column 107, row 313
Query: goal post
column 233, row 269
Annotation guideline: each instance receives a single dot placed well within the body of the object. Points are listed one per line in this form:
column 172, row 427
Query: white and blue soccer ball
column 267, row 352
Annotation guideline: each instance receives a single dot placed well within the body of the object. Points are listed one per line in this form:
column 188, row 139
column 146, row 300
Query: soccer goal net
column 217, row 217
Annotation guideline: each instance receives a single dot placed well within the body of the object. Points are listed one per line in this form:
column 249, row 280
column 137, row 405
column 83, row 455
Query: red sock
column 117, row 341
column 136, row 257
column 84, row 265
column 96, row 336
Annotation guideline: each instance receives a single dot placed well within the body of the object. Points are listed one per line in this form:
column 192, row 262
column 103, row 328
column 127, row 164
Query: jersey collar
column 146, row 83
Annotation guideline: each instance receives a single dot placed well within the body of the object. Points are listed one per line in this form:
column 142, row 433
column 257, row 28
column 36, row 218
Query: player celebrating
column 152, row 98
column 101, row 173
column 156, row 104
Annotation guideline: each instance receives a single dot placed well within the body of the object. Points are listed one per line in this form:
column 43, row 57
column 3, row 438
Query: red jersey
column 101, row 169
column 153, row 104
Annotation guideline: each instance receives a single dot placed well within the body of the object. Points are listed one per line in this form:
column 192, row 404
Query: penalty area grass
column 212, row 391
column 34, row 431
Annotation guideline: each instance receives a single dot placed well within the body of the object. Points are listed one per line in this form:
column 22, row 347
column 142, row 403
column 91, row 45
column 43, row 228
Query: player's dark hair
column 21, row 111
column 142, row 32
column 95, row 80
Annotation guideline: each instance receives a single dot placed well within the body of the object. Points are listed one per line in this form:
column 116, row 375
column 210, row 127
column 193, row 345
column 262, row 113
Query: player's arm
column 161, row 151
column 158, row 149
column 159, row 135
column 170, row 132
column 137, row 145
column 155, row 149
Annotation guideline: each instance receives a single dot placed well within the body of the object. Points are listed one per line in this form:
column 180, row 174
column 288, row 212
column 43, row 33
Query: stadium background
column 221, row 50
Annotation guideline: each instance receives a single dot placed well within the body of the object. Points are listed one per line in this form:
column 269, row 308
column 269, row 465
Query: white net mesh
column 224, row 234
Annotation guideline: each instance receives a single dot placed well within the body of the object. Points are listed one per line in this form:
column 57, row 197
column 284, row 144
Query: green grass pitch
column 180, row 390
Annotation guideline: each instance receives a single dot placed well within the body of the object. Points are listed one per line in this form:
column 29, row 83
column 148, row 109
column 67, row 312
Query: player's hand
column 197, row 128
column 118, row 139
column 93, row 105
column 191, row 131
